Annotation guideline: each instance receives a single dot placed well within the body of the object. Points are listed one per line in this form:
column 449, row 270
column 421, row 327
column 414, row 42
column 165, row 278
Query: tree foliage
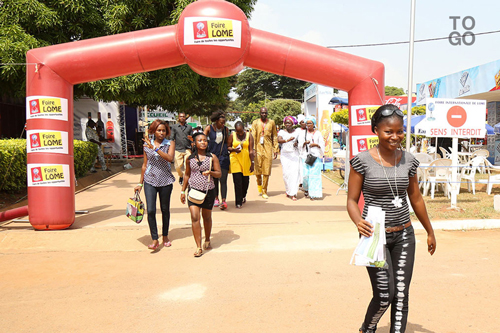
column 341, row 117
column 253, row 86
column 394, row 91
column 31, row 24
column 418, row 110
column 277, row 110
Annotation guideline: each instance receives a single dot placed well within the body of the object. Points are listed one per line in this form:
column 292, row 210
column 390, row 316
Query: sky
column 338, row 23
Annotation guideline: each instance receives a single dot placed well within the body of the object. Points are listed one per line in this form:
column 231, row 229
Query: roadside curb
column 461, row 225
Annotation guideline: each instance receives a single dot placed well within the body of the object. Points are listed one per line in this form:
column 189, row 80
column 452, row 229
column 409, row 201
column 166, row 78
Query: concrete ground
column 276, row 266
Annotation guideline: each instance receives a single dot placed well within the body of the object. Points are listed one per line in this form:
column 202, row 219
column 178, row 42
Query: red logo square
column 200, row 30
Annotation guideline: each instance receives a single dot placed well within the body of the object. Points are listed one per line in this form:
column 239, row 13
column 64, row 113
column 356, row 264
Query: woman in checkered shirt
column 157, row 178
column 201, row 169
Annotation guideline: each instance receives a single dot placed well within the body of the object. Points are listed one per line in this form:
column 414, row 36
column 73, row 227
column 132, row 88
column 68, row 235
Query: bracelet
column 253, row 162
column 141, row 185
column 156, row 150
column 183, row 192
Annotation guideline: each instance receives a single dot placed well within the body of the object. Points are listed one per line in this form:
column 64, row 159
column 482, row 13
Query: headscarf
column 292, row 119
column 311, row 118
column 300, row 118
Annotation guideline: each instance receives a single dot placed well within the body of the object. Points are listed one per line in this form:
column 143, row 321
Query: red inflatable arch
column 213, row 37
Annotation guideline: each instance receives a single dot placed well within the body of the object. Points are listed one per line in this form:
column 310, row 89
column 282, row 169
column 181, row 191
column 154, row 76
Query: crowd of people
column 203, row 158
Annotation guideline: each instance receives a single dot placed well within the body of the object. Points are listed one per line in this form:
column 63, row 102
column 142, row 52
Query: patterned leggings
column 391, row 286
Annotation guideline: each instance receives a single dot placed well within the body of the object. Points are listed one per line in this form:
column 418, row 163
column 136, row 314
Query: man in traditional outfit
column 266, row 148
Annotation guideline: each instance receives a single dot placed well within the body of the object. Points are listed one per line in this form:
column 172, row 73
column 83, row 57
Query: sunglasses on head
column 387, row 113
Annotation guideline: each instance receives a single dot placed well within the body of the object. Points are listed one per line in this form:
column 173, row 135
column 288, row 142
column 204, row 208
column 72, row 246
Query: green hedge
column 85, row 154
column 13, row 162
column 13, row 175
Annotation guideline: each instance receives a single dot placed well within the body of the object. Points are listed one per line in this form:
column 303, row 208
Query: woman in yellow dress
column 240, row 146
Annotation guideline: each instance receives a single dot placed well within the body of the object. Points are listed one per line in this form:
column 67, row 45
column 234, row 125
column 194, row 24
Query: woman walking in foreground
column 201, row 169
column 157, row 179
column 386, row 175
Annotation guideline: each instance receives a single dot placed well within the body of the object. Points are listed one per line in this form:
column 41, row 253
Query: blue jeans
column 164, row 193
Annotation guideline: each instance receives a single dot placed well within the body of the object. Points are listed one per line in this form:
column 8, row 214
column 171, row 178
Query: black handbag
column 310, row 159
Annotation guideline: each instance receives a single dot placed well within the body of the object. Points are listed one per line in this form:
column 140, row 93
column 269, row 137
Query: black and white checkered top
column 158, row 172
column 197, row 180
column 376, row 190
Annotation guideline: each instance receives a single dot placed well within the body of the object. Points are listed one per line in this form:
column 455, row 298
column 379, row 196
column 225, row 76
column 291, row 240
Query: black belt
column 398, row 228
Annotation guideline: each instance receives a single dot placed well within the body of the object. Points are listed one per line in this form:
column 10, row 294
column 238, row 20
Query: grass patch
column 475, row 207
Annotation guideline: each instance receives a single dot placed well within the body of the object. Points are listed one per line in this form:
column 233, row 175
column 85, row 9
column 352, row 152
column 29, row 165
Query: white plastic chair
column 438, row 172
column 480, row 152
column 444, row 152
column 484, row 153
column 468, row 173
column 493, row 176
column 423, row 158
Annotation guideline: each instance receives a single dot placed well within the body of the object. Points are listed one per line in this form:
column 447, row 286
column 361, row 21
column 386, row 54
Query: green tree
column 418, row 110
column 280, row 108
column 253, row 86
column 251, row 111
column 277, row 110
column 394, row 91
column 30, row 24
column 341, row 117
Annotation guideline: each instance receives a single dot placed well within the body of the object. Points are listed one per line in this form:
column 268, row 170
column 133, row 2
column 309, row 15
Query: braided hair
column 194, row 153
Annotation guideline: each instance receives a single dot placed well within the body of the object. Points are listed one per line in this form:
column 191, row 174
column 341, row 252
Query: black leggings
column 391, row 286
column 240, row 187
column 223, row 184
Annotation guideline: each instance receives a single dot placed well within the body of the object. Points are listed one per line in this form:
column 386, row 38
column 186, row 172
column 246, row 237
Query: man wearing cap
column 181, row 134
column 266, row 148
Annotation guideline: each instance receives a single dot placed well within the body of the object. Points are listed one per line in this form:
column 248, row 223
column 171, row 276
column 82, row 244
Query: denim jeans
column 164, row 193
column 391, row 286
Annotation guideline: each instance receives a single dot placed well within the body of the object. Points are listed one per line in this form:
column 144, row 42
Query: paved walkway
column 276, row 266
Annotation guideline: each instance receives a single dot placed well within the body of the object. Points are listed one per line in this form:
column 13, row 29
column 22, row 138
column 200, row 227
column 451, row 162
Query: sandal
column 294, row 198
column 167, row 244
column 306, row 194
column 154, row 246
column 207, row 246
column 198, row 253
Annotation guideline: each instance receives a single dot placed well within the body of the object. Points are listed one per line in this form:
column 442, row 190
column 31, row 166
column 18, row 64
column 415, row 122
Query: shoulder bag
column 196, row 196
column 310, row 159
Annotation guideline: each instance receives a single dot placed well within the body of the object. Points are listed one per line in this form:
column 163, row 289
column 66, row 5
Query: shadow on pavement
column 96, row 214
column 410, row 328
column 223, row 237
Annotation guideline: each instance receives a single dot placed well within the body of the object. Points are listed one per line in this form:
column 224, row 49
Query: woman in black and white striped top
column 385, row 175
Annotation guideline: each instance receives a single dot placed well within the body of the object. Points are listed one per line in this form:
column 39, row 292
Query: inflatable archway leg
column 51, row 185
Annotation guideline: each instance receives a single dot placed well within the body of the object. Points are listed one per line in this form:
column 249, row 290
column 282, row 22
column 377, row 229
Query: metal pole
column 410, row 75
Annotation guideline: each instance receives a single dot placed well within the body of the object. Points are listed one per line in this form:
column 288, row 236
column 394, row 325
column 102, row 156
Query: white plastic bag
column 371, row 250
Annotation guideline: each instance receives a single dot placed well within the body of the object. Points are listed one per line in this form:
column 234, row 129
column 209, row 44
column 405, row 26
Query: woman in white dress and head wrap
column 290, row 157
